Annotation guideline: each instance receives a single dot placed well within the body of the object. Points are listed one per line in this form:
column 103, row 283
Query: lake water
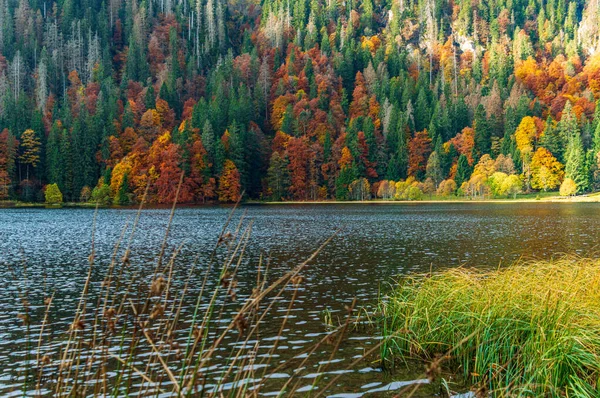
column 42, row 251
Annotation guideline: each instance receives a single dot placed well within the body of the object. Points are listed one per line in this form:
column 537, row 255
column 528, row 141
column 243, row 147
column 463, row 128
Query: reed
column 531, row 329
column 153, row 331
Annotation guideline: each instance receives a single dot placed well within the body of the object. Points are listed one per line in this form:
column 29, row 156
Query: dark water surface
column 46, row 250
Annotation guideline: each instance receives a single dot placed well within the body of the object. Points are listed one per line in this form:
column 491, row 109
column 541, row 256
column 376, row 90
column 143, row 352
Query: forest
column 113, row 101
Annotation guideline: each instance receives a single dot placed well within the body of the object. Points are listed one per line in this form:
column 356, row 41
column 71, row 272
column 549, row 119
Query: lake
column 42, row 251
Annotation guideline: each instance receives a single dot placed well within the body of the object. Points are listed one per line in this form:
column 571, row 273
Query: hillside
column 297, row 99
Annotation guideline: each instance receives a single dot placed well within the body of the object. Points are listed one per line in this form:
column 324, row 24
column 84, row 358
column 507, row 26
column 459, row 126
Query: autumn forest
column 111, row 101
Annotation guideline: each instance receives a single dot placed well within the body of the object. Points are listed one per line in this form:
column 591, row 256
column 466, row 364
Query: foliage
column 53, row 195
column 101, row 195
column 229, row 183
column 568, row 187
column 177, row 90
column 359, row 189
column 447, row 188
column 546, row 172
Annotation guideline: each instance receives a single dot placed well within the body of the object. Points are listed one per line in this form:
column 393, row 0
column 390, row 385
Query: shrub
column 101, row 195
column 53, row 195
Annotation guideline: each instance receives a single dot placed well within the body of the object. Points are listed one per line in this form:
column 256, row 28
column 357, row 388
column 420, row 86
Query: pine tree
column 463, row 170
column 552, row 140
column 482, row 132
column 434, row 168
column 54, row 161
column 575, row 167
column 122, row 197
column 278, row 176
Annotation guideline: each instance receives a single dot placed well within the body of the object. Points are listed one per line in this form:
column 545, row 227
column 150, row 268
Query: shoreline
column 592, row 198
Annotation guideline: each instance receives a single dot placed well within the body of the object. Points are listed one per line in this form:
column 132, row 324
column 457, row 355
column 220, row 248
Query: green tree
column 53, row 194
column 278, row 176
column 434, row 168
column 575, row 167
column 122, row 197
column 482, row 132
column 463, row 170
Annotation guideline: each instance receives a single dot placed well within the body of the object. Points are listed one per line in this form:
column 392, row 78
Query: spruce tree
column 463, row 170
column 575, row 167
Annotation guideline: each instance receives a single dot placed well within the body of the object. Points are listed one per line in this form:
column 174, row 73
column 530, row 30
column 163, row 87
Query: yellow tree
column 229, row 183
column 524, row 136
column 568, row 187
column 511, row 185
column 118, row 174
column 30, row 150
column 546, row 172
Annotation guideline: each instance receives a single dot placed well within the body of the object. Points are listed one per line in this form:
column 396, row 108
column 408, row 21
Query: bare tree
column 41, row 89
column 17, row 74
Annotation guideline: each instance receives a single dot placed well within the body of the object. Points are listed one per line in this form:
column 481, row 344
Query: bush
column 101, row 195
column 53, row 195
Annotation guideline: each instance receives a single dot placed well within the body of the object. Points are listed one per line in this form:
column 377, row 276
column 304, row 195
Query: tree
column 298, row 154
column 546, row 172
column 278, row 176
column 512, row 185
column 496, row 181
column 229, row 183
column 483, row 134
column 359, row 189
column 419, row 149
column 164, row 172
column 200, row 175
column 552, row 140
column 30, row 150
column 568, row 187
column 53, row 194
column 101, row 194
column 122, row 197
column 347, row 174
column 434, row 168
column 7, row 162
column 118, row 175
column 525, row 135
column 463, row 170
column 447, row 188
column 575, row 167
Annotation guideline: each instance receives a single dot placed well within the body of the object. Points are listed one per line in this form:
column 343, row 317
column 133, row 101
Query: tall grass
column 149, row 335
column 532, row 329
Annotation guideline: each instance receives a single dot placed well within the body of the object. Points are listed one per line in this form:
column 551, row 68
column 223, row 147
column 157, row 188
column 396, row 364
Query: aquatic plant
column 531, row 329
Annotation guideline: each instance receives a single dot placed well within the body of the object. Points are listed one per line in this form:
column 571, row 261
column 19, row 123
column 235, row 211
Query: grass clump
column 532, row 329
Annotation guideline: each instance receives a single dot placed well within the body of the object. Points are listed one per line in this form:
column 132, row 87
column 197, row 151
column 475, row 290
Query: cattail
column 157, row 287
column 157, row 312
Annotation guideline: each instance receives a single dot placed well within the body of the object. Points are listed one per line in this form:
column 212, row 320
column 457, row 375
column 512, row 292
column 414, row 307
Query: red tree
column 419, row 149
column 298, row 154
